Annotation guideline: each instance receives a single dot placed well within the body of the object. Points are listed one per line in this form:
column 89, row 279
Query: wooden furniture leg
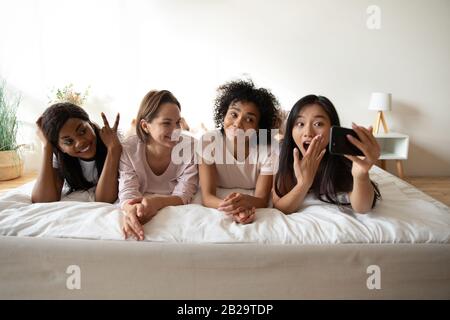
column 377, row 123
column 401, row 173
column 383, row 121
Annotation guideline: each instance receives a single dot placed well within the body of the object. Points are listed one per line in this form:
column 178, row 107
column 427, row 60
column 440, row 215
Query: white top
column 232, row 173
column 88, row 168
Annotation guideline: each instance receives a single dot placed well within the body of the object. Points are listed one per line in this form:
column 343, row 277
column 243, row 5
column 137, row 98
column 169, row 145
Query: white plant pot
column 11, row 165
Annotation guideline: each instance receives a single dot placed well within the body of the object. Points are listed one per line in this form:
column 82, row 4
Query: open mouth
column 86, row 149
column 171, row 140
column 306, row 145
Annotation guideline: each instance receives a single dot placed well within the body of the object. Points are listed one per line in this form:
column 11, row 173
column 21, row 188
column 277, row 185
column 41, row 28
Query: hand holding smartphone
column 340, row 145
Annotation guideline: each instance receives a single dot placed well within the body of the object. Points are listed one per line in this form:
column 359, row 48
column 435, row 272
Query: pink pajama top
column 136, row 178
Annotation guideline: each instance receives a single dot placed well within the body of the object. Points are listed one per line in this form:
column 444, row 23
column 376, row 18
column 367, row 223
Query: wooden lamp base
column 380, row 119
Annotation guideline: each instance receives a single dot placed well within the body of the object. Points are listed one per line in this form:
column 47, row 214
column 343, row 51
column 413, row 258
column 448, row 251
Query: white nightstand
column 394, row 146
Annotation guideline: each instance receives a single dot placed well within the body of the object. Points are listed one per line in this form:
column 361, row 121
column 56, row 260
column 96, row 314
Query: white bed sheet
column 405, row 215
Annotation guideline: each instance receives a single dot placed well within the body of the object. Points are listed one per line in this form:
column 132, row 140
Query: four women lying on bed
column 241, row 153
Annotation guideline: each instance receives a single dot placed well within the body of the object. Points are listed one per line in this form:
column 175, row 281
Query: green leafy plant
column 69, row 94
column 8, row 119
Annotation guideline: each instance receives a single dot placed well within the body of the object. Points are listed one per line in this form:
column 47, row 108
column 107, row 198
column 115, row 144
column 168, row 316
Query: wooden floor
column 437, row 187
column 11, row 184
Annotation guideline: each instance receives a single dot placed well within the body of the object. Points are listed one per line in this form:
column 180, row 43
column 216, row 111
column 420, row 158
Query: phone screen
column 339, row 143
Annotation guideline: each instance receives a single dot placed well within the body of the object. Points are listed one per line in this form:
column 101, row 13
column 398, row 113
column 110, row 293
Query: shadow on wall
column 404, row 117
column 421, row 162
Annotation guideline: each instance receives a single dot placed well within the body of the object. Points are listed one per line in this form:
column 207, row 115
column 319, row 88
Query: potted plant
column 69, row 94
column 11, row 164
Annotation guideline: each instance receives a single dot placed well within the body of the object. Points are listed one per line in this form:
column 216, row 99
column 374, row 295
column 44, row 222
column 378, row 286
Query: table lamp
column 380, row 102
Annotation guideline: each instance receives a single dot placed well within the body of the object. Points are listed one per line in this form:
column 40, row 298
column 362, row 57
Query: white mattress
column 405, row 215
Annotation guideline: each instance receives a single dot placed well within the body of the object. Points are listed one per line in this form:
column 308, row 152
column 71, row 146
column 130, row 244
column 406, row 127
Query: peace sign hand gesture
column 109, row 135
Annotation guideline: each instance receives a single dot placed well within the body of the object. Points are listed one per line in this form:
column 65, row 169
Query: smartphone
column 339, row 144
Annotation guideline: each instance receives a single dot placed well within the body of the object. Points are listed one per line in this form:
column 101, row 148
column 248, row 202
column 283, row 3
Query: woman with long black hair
column 78, row 153
column 306, row 166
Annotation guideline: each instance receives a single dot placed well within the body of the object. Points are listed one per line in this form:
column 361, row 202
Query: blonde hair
column 149, row 109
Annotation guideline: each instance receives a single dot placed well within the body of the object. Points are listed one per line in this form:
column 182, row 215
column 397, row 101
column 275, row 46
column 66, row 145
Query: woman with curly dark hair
column 245, row 116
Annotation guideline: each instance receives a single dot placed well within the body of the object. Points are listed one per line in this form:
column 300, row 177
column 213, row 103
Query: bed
column 400, row 250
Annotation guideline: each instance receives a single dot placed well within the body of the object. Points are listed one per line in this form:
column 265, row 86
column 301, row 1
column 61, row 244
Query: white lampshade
column 380, row 101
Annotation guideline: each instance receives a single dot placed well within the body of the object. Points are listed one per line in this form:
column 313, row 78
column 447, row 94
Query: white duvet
column 405, row 215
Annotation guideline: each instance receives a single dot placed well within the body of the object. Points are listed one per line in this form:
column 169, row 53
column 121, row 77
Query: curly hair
column 245, row 91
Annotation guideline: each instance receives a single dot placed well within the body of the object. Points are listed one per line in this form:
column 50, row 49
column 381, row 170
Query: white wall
column 124, row 48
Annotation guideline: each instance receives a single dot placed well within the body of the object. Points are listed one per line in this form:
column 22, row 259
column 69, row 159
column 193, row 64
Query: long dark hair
column 69, row 168
column 334, row 173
